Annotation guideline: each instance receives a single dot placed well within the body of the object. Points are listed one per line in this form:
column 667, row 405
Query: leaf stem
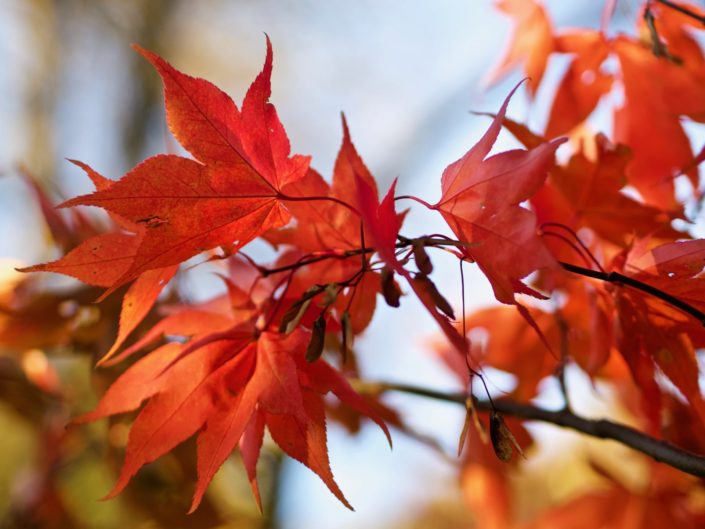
column 416, row 199
column 616, row 277
column 662, row 451
column 314, row 259
column 288, row 198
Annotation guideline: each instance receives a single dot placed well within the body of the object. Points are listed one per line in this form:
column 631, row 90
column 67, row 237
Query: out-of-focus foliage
column 52, row 334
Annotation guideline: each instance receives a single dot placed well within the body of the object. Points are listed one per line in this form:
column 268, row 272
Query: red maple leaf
column 653, row 334
column 228, row 196
column 532, row 41
column 228, row 390
column 481, row 203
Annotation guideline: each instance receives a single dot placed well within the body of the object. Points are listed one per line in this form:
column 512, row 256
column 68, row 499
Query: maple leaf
column 330, row 225
column 583, row 83
column 100, row 261
column 331, row 222
column 208, row 124
column 651, row 81
column 138, row 301
column 381, row 221
column 653, row 334
column 229, row 388
column 228, row 197
column 532, row 41
column 481, row 203
column 285, row 393
column 588, row 192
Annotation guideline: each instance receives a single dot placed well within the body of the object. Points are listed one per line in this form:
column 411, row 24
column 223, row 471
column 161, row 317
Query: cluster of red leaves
column 251, row 358
column 608, row 207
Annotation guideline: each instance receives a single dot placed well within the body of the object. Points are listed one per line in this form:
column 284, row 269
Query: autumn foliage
column 585, row 236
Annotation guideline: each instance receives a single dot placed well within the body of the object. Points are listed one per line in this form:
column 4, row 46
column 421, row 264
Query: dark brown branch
column 429, row 241
column 661, row 451
column 315, row 259
column 684, row 10
column 439, row 242
column 617, row 278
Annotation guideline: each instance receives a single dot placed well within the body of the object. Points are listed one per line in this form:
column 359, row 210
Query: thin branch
column 661, row 451
column 428, row 241
column 577, row 239
column 288, row 198
column 416, row 199
column 684, row 10
column 616, row 277
column 437, row 242
column 570, row 244
column 315, row 259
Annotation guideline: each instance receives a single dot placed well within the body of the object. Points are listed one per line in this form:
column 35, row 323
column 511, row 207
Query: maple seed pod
column 330, row 294
column 318, row 336
column 436, row 296
column 500, row 443
column 293, row 315
column 503, row 441
column 390, row 289
column 423, row 261
column 348, row 336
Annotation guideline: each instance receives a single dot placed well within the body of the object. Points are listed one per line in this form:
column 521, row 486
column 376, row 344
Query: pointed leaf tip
column 346, row 129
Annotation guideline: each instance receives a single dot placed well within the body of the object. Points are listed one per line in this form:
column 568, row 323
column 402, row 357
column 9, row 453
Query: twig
column 609, row 277
column 616, row 277
column 684, row 10
column 662, row 451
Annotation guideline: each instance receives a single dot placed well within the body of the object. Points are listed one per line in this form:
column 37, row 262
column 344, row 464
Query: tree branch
column 438, row 242
column 617, row 278
column 684, row 10
column 661, row 451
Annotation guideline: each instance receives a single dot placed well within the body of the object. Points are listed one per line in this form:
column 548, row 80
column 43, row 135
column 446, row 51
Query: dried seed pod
column 503, row 441
column 330, row 294
column 348, row 335
column 423, row 261
column 390, row 289
column 293, row 315
column 436, row 296
column 318, row 338
column 471, row 420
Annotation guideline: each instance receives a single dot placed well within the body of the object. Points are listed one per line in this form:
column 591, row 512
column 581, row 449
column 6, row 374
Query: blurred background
column 406, row 74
